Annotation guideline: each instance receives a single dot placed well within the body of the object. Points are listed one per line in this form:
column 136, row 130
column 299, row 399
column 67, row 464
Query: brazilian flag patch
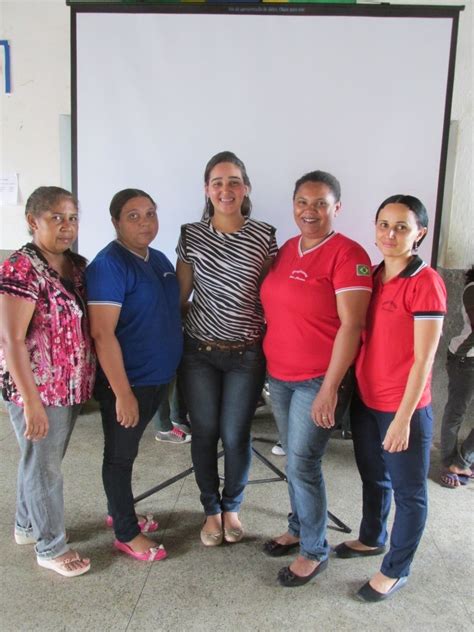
column 362, row 269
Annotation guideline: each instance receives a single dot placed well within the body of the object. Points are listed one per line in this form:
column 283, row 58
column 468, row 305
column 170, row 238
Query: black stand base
column 280, row 476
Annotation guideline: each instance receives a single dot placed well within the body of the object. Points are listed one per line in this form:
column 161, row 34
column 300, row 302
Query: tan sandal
column 233, row 535
column 212, row 539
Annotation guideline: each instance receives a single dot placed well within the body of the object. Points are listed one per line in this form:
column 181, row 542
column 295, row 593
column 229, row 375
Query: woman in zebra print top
column 222, row 259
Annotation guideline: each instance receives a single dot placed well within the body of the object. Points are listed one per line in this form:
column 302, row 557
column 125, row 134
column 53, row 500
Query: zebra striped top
column 226, row 269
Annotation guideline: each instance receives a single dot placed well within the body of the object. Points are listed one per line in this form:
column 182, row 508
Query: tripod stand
column 280, row 476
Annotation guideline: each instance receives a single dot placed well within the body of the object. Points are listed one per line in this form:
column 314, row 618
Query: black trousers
column 120, row 451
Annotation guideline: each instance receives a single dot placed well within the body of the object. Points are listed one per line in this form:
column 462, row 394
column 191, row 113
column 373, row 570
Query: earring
column 415, row 248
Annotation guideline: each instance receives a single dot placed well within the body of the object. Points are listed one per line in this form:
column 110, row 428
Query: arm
column 103, row 320
column 15, row 316
column 427, row 334
column 184, row 273
column 351, row 308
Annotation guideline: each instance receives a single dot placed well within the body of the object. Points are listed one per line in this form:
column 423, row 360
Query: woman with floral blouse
column 47, row 369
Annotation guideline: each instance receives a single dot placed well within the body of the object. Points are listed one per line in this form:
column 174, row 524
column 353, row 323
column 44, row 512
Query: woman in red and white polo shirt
column 391, row 417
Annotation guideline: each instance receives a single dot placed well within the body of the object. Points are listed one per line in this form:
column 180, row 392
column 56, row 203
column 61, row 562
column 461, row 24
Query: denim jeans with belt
column 40, row 502
column 403, row 472
column 460, row 393
column 305, row 443
column 120, row 451
column 222, row 387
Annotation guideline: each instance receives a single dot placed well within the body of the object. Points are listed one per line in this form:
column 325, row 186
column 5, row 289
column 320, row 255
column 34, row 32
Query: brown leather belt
column 227, row 345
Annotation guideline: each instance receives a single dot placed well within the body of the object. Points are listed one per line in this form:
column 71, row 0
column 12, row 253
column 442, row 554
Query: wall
column 38, row 32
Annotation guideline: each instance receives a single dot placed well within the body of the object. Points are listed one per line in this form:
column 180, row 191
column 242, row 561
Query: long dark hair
column 227, row 156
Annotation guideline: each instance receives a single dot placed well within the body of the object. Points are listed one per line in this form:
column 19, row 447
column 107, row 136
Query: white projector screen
column 156, row 94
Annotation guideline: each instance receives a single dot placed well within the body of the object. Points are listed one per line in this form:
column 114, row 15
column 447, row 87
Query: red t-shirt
column 299, row 300
column 386, row 356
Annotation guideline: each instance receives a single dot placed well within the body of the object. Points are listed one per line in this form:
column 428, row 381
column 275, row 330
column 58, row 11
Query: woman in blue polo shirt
column 391, row 419
column 133, row 300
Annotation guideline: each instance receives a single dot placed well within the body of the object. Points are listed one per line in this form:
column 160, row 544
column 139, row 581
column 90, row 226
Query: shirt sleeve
column 181, row 249
column 353, row 271
column 429, row 296
column 106, row 281
column 19, row 279
column 273, row 248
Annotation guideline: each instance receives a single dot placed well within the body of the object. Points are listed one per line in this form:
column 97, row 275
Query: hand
column 397, row 436
column 37, row 424
column 126, row 408
column 323, row 408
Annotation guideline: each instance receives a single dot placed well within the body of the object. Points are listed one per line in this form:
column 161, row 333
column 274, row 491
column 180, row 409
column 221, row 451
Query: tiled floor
column 231, row 587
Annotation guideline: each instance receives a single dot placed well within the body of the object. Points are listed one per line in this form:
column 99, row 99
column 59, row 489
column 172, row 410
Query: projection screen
column 362, row 93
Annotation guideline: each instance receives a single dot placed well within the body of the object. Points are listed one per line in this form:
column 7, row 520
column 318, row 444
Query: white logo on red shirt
column 299, row 275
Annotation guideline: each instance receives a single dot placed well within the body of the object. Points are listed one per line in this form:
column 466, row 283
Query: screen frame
column 278, row 9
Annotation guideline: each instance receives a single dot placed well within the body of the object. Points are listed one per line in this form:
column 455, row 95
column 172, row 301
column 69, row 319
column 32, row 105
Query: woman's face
column 226, row 189
column 55, row 230
column 314, row 208
column 137, row 225
column 396, row 231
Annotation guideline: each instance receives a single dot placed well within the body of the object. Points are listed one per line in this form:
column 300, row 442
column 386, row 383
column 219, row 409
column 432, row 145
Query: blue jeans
column 120, row 451
column 305, row 443
column 221, row 389
column 403, row 472
column 40, row 502
column 460, row 393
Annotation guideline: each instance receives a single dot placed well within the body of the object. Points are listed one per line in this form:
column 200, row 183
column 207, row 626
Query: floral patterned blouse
column 58, row 340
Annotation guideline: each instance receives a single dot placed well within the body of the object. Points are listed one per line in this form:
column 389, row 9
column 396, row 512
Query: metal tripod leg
column 280, row 476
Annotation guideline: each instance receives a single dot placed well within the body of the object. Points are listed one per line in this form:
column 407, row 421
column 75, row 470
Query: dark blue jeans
column 221, row 389
column 403, row 472
column 460, row 393
column 120, row 451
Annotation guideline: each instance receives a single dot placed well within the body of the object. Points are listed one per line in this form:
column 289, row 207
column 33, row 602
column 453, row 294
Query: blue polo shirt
column 149, row 326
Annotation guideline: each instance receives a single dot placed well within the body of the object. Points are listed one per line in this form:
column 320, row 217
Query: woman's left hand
column 397, row 436
column 324, row 405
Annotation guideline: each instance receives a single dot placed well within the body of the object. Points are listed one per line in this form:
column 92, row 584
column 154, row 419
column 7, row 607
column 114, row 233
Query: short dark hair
column 43, row 199
column 414, row 204
column 227, row 156
column 320, row 176
column 469, row 275
column 122, row 197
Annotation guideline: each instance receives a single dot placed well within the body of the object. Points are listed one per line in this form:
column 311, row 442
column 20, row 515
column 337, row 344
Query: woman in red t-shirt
column 391, row 417
column 315, row 298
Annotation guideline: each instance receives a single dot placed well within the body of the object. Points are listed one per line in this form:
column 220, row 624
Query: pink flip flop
column 153, row 554
column 146, row 523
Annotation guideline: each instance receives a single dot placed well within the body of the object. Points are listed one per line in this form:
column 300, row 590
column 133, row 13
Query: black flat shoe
column 287, row 578
column 275, row 549
column 345, row 552
column 369, row 594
